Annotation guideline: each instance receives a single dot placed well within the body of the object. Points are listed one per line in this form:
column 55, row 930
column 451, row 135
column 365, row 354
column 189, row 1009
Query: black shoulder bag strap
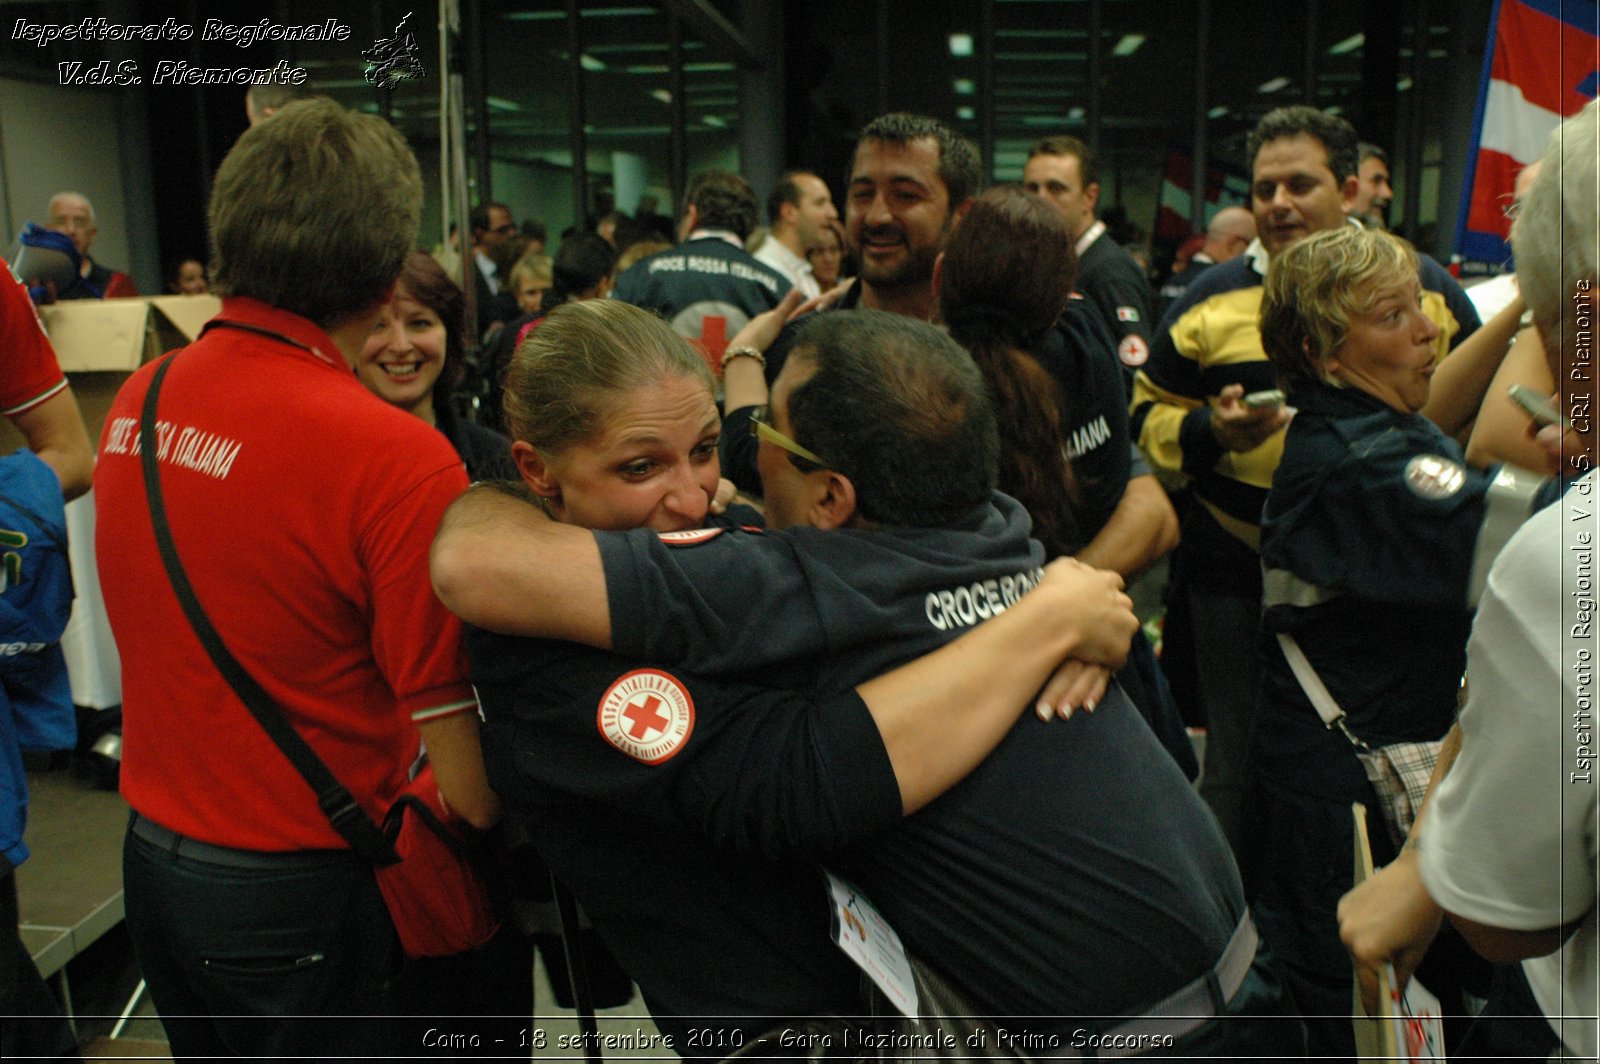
column 336, row 803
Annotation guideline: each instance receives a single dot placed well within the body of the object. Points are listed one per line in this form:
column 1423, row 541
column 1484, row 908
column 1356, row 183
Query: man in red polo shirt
column 302, row 508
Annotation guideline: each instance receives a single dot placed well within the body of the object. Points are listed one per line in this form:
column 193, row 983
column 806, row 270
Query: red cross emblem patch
column 1133, row 350
column 647, row 714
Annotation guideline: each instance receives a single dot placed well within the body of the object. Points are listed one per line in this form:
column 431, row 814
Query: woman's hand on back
column 760, row 331
column 1092, row 601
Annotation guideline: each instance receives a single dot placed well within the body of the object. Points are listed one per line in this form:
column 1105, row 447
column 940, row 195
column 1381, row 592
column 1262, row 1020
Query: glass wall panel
column 1042, row 87
column 712, row 115
column 627, row 103
column 528, row 105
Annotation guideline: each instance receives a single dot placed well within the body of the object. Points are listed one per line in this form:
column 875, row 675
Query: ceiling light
column 1041, row 57
column 1349, row 44
column 593, row 12
column 963, row 86
column 1129, row 44
column 1273, row 86
column 661, row 94
column 966, row 114
column 961, row 45
column 590, row 63
column 1039, row 35
column 1217, row 112
column 618, row 49
column 715, row 121
column 1402, row 85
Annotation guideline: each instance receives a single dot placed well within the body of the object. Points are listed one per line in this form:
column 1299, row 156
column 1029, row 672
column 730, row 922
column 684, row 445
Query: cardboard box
column 99, row 342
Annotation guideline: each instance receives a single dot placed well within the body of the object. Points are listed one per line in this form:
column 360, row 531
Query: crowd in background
column 1302, row 439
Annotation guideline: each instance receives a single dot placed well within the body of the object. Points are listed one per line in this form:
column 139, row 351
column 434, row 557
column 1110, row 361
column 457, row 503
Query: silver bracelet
column 744, row 352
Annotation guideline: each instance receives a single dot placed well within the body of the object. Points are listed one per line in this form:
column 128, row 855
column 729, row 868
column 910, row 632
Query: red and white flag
column 1543, row 65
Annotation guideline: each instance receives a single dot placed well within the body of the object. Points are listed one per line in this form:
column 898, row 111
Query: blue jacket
column 1375, row 543
column 35, row 602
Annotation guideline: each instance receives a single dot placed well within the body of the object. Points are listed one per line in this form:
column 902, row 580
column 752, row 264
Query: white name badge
column 866, row 938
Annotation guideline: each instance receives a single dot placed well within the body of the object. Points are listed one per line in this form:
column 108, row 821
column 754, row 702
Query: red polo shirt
column 28, row 371
column 302, row 508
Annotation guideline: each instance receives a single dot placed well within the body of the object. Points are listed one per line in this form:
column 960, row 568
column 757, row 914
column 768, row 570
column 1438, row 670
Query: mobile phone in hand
column 1537, row 407
column 1262, row 400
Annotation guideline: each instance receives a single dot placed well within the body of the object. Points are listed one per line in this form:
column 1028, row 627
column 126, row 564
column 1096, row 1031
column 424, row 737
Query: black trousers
column 296, row 959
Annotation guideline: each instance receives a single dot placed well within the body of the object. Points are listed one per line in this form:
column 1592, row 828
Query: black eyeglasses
column 762, row 429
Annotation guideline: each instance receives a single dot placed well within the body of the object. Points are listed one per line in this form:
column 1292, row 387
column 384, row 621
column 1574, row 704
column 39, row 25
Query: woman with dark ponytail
column 1005, row 283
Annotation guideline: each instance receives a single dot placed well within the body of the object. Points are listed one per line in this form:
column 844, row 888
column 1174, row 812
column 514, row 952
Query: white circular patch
column 689, row 536
column 1434, row 477
column 647, row 714
column 713, row 322
column 1133, row 350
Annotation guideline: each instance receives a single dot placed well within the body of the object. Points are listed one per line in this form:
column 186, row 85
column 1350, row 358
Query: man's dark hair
column 628, row 232
column 1368, row 150
column 534, row 229
column 899, row 408
column 724, row 201
column 480, row 215
column 1088, row 167
column 960, row 167
column 583, row 261
column 787, row 190
column 1338, row 137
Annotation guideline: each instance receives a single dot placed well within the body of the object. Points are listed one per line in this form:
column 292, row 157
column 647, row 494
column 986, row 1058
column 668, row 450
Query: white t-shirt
column 1511, row 842
column 776, row 254
column 1489, row 297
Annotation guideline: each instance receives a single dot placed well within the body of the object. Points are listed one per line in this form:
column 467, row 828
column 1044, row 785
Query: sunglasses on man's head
column 761, row 428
